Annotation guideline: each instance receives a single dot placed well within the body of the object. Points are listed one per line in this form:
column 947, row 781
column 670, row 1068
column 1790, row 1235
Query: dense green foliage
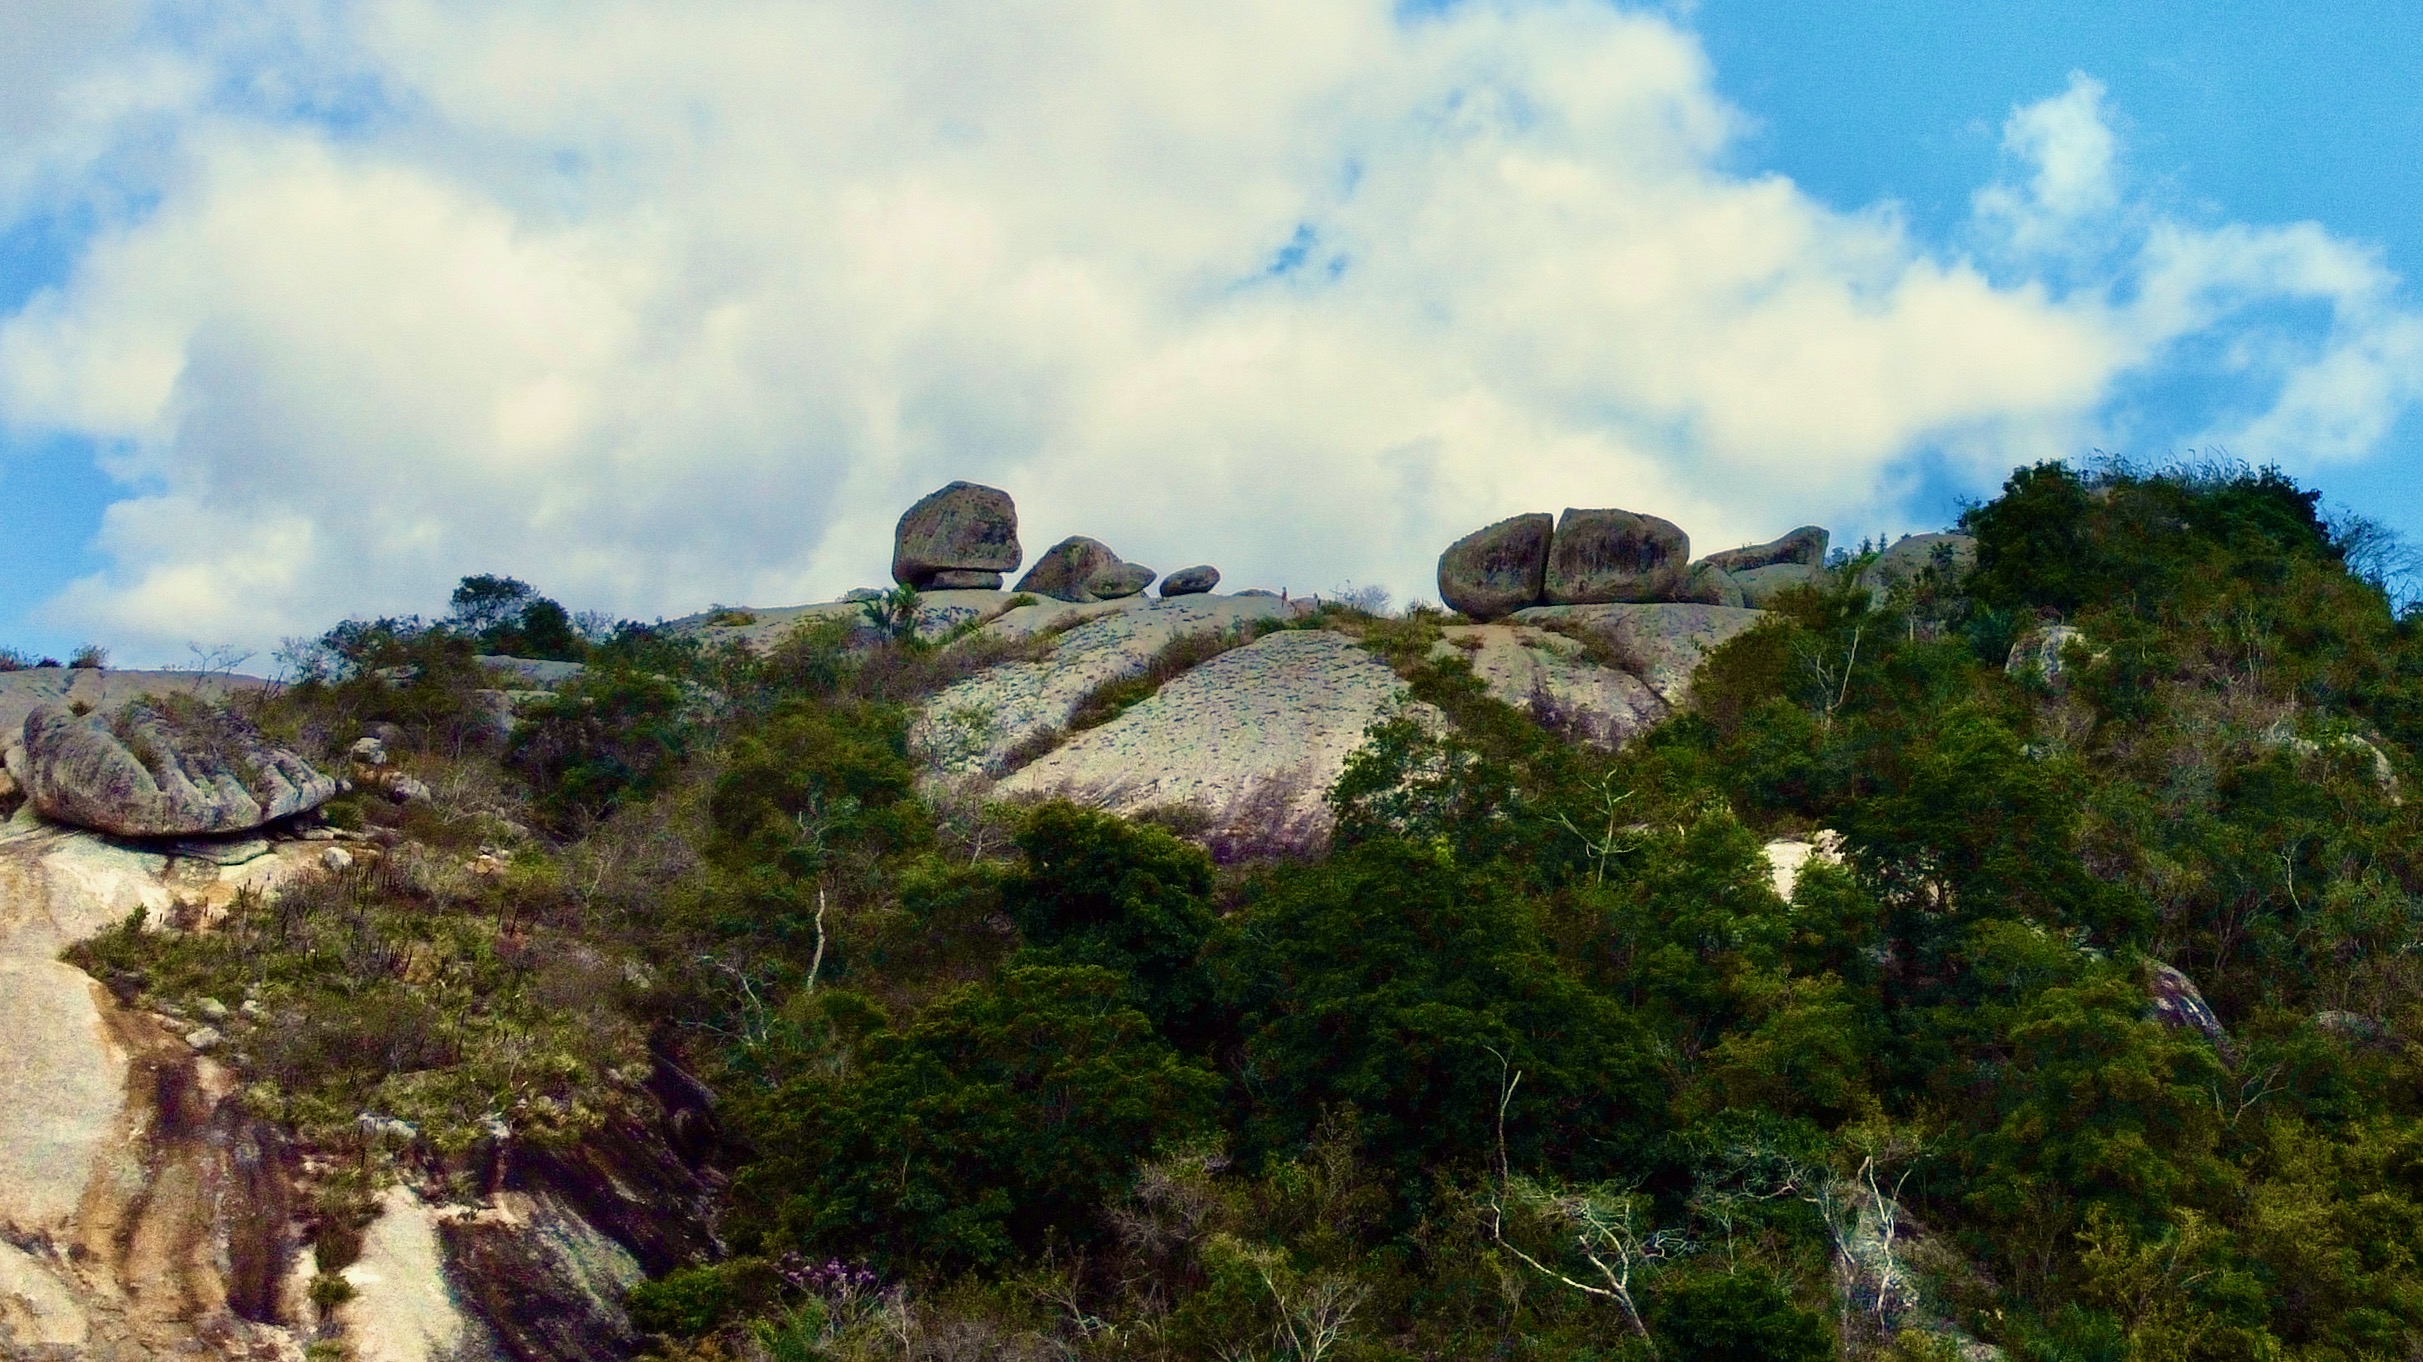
column 1534, row 1061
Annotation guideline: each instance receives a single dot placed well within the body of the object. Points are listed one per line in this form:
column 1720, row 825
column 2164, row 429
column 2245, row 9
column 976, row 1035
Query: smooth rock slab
column 1551, row 678
column 1256, row 735
column 1497, row 569
column 143, row 772
column 1662, row 643
column 971, row 726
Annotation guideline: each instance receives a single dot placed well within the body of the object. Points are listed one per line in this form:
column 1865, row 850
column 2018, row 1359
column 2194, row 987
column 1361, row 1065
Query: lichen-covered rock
column 2174, row 999
column 1952, row 555
column 1661, row 642
column 1193, row 581
column 1805, row 547
column 1119, row 580
column 1705, row 585
column 1249, row 742
column 964, row 527
column 1497, row 569
column 1063, row 570
column 973, row 725
column 148, row 771
column 2040, row 651
column 1603, row 556
column 1551, row 678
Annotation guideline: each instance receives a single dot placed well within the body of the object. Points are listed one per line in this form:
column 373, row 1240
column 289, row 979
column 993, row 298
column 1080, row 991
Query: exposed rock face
column 1119, row 580
column 962, row 528
column 2174, row 999
column 1761, row 585
column 1248, row 742
column 1552, row 678
column 1952, row 554
column 1064, row 569
column 939, row 611
column 2040, row 650
column 1805, row 547
column 1193, row 581
column 1788, row 856
column 144, row 1214
column 975, row 724
column 148, row 773
column 1498, row 569
column 1661, row 642
column 1604, row 556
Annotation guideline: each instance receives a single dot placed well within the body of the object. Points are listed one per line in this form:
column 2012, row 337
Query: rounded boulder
column 1497, row 569
column 1608, row 556
column 962, row 528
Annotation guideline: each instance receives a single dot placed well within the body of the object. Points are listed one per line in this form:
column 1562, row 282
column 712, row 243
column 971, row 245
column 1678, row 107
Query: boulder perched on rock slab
column 1498, row 569
column 1064, row 569
column 181, row 771
column 1805, row 546
column 1193, row 581
column 1605, row 556
column 964, row 527
column 963, row 579
column 1950, row 554
column 1119, row 580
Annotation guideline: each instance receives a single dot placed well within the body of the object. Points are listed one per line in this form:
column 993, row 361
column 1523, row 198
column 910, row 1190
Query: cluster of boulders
column 964, row 537
column 1610, row 556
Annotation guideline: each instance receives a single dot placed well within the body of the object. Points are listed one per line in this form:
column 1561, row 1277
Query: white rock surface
column 970, row 726
column 1788, row 856
column 1550, row 675
column 1260, row 732
column 402, row 1309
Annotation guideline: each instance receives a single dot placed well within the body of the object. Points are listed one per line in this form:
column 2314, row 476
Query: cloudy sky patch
column 657, row 304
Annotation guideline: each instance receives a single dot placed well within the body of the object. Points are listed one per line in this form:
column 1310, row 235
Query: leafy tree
column 1743, row 1316
column 1004, row 1118
column 1098, row 890
column 604, row 739
column 1394, row 982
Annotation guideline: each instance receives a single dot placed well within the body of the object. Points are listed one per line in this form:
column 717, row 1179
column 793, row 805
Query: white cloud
column 657, row 303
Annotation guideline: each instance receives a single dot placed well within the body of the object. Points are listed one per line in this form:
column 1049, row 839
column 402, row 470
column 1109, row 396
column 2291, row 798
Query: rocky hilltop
column 1996, row 943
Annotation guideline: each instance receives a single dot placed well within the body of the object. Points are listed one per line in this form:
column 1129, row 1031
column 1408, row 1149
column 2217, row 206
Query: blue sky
column 360, row 298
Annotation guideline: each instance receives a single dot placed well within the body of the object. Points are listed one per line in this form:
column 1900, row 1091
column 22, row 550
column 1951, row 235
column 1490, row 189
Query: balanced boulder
column 963, row 528
column 1601, row 557
column 1063, row 570
column 1119, row 580
column 1498, row 569
column 1193, row 581
column 1805, row 546
column 163, row 771
column 1706, row 585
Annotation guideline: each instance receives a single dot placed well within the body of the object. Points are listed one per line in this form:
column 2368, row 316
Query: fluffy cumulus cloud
column 658, row 303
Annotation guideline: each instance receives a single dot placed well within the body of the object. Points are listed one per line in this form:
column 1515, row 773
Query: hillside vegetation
column 1530, row 1062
